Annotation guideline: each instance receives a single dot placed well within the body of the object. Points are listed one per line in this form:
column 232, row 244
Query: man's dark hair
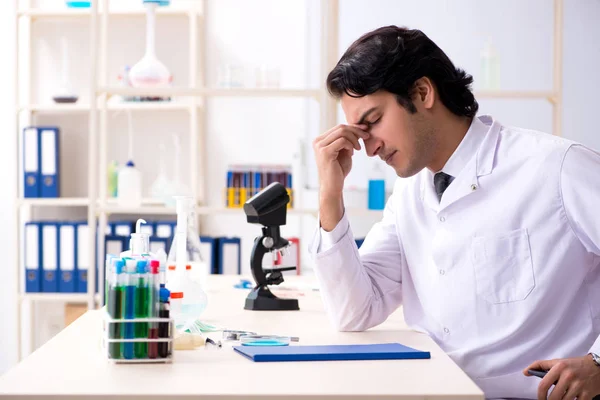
column 392, row 59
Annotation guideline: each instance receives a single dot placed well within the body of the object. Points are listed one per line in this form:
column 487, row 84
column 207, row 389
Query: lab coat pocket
column 503, row 266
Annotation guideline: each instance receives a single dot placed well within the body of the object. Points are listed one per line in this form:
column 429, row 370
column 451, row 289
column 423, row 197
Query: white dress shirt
column 501, row 272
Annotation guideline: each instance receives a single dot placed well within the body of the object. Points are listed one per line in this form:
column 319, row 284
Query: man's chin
column 406, row 171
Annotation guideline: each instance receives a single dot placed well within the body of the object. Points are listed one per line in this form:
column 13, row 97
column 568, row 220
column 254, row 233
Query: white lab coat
column 502, row 272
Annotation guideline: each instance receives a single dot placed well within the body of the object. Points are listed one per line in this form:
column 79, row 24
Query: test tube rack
column 107, row 341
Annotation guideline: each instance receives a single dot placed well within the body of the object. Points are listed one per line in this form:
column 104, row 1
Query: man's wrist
column 331, row 211
column 594, row 358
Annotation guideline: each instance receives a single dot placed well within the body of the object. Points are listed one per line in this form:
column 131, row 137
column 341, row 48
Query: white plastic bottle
column 139, row 243
column 129, row 186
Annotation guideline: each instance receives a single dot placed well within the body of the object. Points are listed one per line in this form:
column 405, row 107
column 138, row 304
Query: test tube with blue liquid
column 131, row 266
column 142, row 297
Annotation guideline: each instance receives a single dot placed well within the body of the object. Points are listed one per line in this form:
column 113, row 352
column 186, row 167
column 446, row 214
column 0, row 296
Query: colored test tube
column 153, row 305
column 257, row 182
column 289, row 187
column 142, row 291
column 115, row 303
column 129, row 307
column 162, row 273
column 108, row 271
column 164, row 348
column 237, row 184
column 229, row 191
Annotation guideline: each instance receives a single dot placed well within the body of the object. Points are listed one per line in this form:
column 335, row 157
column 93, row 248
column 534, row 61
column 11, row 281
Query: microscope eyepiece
column 268, row 207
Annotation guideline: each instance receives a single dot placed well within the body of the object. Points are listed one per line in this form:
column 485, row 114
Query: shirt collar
column 467, row 148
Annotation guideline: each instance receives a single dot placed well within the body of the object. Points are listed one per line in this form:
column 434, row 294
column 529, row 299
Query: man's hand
column 575, row 378
column 333, row 151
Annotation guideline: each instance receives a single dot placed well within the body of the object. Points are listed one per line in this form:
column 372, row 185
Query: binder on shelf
column 208, row 251
column 33, row 254
column 157, row 243
column 229, row 256
column 165, row 229
column 82, row 257
column 49, row 257
column 66, row 258
column 49, row 159
column 31, row 163
column 114, row 245
column 122, row 228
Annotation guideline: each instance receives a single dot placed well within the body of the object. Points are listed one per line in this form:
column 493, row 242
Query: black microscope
column 268, row 208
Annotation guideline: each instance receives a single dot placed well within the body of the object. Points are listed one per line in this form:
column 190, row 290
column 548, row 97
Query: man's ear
column 424, row 92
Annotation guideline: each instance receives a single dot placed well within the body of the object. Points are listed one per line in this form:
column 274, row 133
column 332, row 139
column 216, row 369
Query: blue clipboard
column 386, row 351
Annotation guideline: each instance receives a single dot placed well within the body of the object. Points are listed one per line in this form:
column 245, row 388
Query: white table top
column 72, row 364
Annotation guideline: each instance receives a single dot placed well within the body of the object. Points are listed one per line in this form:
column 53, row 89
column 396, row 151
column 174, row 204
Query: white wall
column 285, row 35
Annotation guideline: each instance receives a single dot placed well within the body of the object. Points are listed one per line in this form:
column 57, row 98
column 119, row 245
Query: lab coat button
column 473, row 187
column 446, row 330
column 442, row 219
column 442, row 272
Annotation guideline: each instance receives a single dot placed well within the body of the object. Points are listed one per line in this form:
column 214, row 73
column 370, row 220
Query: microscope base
column 261, row 299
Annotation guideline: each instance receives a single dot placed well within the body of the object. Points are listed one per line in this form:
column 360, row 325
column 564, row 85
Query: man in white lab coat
column 490, row 239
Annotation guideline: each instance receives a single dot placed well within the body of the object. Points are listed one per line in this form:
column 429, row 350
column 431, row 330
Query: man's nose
column 372, row 146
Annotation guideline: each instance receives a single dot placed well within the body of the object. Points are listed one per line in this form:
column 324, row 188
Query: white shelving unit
column 103, row 101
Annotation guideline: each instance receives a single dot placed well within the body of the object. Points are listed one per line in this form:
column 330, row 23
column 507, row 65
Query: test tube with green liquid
column 116, row 306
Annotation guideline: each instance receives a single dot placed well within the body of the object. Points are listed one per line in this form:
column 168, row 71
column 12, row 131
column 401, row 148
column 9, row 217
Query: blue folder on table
column 387, row 351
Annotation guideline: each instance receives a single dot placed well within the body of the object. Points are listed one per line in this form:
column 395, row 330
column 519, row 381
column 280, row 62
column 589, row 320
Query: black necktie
column 441, row 181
